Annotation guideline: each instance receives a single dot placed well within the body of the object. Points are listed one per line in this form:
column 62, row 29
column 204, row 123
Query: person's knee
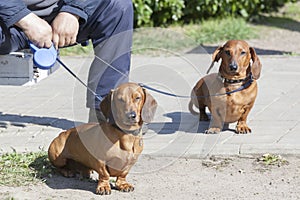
column 123, row 5
column 123, row 10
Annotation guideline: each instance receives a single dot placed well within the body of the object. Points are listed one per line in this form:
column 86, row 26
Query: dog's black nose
column 233, row 66
column 131, row 115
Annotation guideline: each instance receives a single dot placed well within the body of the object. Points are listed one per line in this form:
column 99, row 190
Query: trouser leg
column 111, row 32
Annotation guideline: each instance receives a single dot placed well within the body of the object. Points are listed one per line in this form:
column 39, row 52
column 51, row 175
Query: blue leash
column 247, row 84
column 244, row 86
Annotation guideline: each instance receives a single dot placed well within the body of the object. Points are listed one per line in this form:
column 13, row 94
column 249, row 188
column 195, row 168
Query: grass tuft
column 272, row 159
column 24, row 169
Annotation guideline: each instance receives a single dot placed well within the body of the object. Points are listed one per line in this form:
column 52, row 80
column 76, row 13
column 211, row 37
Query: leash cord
column 247, row 84
column 74, row 75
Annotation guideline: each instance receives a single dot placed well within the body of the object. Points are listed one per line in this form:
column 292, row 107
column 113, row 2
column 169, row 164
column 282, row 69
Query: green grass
column 189, row 36
column 217, row 30
column 291, row 10
column 288, row 17
column 24, row 169
column 77, row 50
column 272, row 159
column 157, row 41
column 179, row 38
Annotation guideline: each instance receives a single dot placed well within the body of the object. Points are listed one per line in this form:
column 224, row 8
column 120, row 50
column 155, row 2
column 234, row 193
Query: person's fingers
column 67, row 41
column 73, row 40
column 55, row 40
column 48, row 44
column 61, row 42
column 65, row 25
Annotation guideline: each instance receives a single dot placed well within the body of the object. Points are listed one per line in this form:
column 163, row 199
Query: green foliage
column 157, row 12
column 164, row 12
column 142, row 12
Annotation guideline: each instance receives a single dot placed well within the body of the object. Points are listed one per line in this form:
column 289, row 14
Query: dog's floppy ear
column 149, row 108
column 217, row 54
column 256, row 65
column 105, row 105
column 215, row 57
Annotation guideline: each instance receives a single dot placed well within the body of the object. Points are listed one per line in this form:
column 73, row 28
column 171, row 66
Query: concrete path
column 31, row 116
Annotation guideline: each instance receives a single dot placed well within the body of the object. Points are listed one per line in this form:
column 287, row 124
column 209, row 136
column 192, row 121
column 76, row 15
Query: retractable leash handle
column 45, row 58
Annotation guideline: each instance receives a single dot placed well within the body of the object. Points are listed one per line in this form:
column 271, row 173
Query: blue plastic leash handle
column 43, row 58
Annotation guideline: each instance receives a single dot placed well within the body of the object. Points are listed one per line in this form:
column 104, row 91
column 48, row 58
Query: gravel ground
column 210, row 178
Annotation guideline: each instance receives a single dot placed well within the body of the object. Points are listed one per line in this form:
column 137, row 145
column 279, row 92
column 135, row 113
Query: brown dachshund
column 236, row 73
column 109, row 148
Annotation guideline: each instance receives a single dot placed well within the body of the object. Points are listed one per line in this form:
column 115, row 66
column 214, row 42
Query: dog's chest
column 127, row 155
column 236, row 105
column 133, row 144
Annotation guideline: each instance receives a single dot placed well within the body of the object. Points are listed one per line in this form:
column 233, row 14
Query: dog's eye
column 138, row 98
column 243, row 53
column 227, row 53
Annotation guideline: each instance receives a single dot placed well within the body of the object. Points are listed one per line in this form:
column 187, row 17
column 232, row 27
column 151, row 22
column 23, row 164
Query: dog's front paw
column 213, row 131
column 125, row 187
column 242, row 129
column 103, row 189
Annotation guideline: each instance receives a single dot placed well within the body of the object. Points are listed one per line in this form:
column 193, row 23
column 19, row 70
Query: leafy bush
column 203, row 9
column 142, row 12
column 164, row 12
column 157, row 12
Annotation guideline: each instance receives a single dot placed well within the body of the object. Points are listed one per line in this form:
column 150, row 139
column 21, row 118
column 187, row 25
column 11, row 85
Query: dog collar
column 234, row 81
column 137, row 132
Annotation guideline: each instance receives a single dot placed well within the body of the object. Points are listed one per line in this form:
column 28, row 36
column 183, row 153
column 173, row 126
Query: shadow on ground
column 280, row 22
column 182, row 122
column 22, row 121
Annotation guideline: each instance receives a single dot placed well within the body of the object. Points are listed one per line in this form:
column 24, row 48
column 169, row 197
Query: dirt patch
column 212, row 178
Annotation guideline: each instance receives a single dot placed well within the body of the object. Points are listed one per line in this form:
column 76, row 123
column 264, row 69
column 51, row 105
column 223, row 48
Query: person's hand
column 65, row 28
column 38, row 31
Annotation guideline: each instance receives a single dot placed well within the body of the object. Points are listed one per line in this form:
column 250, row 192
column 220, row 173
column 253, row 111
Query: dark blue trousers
column 110, row 28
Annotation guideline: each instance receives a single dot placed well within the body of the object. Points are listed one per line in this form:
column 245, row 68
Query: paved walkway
column 31, row 116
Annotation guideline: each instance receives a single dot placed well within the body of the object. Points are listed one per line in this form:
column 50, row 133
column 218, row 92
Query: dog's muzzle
column 233, row 66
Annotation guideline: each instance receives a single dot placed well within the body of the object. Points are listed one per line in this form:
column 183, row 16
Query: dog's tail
column 191, row 108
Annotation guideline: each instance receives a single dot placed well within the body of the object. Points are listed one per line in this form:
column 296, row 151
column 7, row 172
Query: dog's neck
column 137, row 132
column 234, row 81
